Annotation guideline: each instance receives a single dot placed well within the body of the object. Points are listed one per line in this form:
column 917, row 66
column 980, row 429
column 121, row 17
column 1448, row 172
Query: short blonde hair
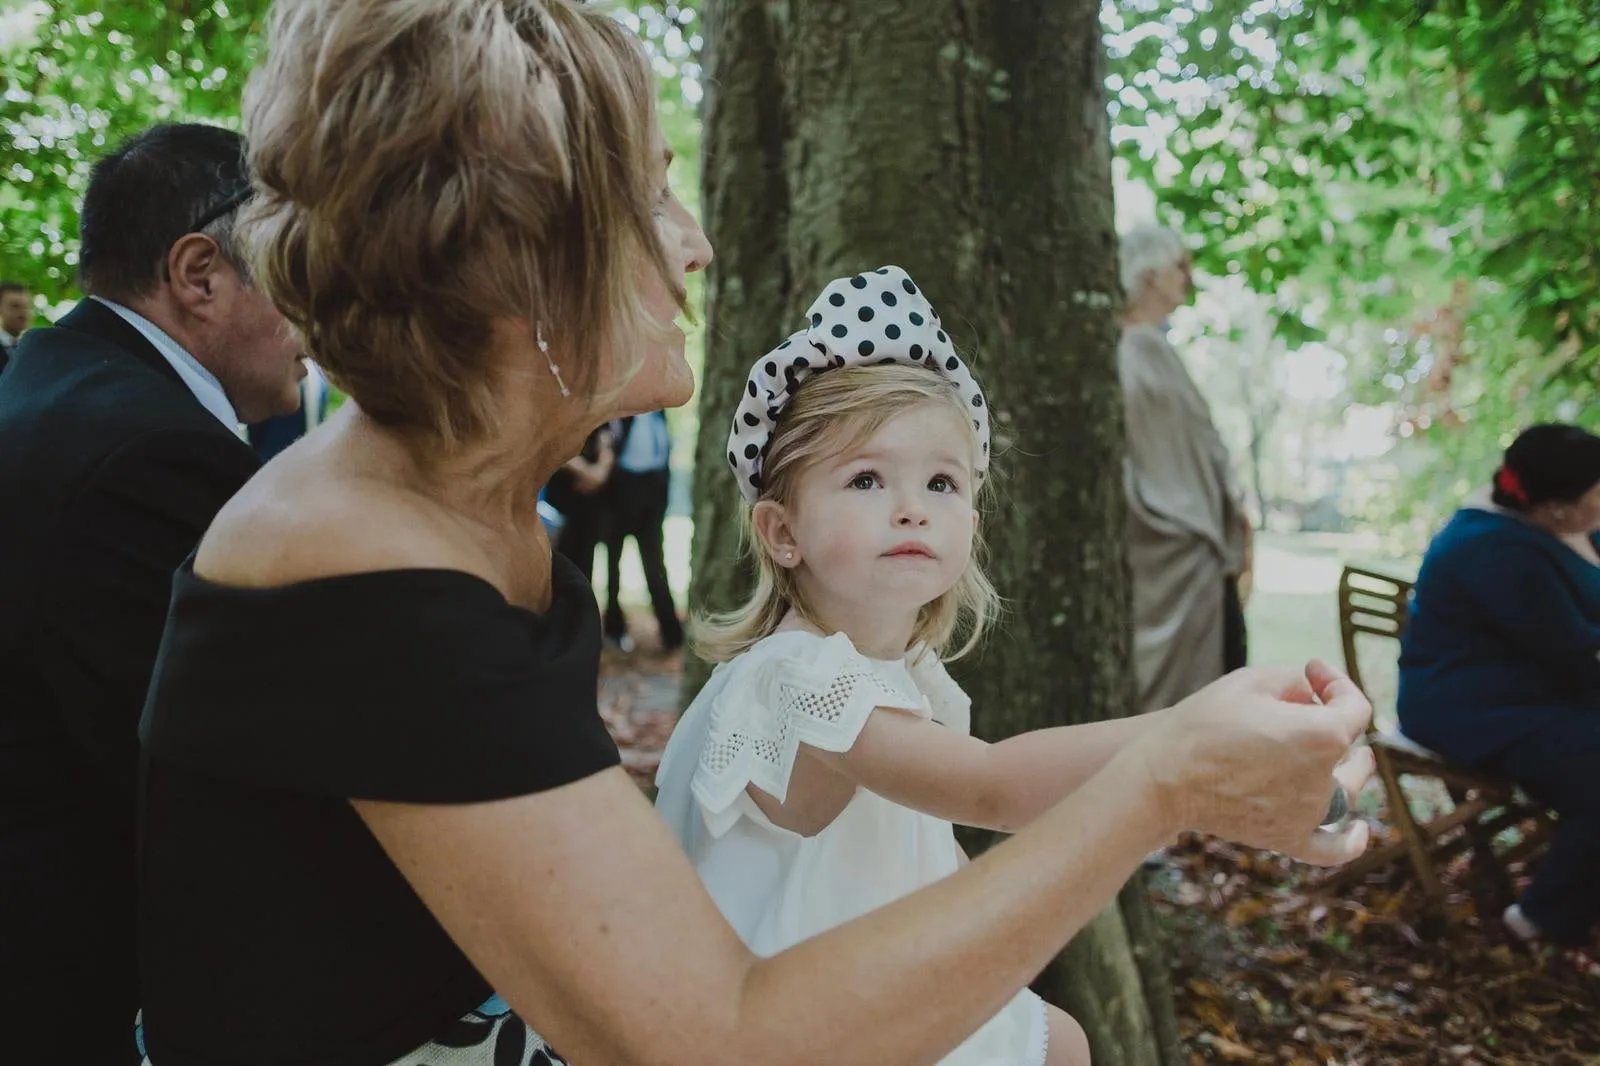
column 426, row 168
column 832, row 413
column 1144, row 250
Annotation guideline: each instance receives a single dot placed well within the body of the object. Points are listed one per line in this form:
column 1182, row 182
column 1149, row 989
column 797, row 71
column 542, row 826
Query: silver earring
column 555, row 371
column 788, row 557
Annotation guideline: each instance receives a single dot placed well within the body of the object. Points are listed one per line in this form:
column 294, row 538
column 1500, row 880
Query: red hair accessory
column 1507, row 481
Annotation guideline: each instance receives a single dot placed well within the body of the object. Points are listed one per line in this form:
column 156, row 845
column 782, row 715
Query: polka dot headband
column 869, row 320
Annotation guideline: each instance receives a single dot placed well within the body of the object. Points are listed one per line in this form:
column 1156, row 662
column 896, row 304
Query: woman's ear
column 771, row 523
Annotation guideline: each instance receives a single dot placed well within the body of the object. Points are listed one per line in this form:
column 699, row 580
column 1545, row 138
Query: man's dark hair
column 9, row 287
column 159, row 185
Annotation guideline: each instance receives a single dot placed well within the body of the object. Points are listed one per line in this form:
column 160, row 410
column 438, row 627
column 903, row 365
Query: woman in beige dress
column 1188, row 535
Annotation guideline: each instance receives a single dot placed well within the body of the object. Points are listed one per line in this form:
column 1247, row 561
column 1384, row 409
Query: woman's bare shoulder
column 299, row 520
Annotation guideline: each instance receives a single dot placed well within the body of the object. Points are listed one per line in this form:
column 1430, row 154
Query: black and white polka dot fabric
column 870, row 319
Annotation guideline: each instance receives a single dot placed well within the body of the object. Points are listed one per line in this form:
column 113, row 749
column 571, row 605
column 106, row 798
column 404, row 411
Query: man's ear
column 194, row 268
column 771, row 524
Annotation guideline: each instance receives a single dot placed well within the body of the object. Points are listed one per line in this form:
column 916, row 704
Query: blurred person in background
column 576, row 491
column 16, row 312
column 1500, row 664
column 636, row 506
column 1189, row 537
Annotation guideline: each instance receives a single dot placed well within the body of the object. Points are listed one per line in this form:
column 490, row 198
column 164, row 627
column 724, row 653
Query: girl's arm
column 921, row 764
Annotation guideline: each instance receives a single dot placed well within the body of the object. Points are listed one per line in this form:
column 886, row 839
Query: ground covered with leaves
column 1266, row 970
column 639, row 702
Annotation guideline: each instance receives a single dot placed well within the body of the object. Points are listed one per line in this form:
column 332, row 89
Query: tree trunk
column 967, row 141
column 745, row 202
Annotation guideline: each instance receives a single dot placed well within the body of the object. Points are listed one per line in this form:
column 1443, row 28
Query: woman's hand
column 1254, row 757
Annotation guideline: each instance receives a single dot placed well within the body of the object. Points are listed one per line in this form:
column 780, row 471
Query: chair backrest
column 1370, row 602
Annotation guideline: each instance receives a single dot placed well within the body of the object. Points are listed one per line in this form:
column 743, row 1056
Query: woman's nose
column 696, row 246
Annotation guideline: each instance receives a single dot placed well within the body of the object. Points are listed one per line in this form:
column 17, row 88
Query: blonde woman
column 430, row 854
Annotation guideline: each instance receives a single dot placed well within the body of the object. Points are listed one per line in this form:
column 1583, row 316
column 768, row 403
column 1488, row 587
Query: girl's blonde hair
column 832, row 413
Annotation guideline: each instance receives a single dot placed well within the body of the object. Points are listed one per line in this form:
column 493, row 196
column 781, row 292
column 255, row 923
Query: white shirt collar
column 204, row 384
column 7, row 340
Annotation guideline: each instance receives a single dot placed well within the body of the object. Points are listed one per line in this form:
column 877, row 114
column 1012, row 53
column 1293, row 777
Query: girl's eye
column 864, row 481
column 662, row 201
column 941, row 483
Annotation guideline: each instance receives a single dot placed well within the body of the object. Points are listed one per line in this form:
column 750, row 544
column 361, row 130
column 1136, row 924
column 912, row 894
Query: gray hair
column 1142, row 251
column 222, row 231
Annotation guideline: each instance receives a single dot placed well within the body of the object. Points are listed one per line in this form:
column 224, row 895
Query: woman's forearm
column 907, row 982
column 596, row 929
column 1034, row 771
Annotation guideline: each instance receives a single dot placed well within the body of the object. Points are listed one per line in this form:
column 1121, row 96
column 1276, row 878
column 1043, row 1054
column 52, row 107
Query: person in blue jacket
column 1500, row 664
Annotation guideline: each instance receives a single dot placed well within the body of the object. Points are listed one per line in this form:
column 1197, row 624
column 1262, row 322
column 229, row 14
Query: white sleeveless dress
column 776, row 887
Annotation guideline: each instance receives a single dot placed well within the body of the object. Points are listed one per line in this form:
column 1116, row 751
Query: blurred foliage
column 79, row 76
column 1418, row 179
column 1415, row 183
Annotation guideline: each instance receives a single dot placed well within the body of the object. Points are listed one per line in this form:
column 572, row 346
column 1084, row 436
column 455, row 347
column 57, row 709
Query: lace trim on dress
column 818, row 691
column 1041, row 1046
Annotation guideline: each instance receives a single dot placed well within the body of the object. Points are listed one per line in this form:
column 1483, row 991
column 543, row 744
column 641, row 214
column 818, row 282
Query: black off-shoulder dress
column 274, row 929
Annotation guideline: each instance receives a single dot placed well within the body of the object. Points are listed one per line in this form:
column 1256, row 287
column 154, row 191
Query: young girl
column 817, row 774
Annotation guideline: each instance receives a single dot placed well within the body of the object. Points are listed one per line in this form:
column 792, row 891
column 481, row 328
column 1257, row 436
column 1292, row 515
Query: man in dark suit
column 636, row 506
column 118, row 444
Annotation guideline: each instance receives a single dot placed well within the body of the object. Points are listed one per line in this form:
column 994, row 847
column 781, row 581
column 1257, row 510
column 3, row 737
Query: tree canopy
column 1418, row 178
column 1413, row 181
column 79, row 76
